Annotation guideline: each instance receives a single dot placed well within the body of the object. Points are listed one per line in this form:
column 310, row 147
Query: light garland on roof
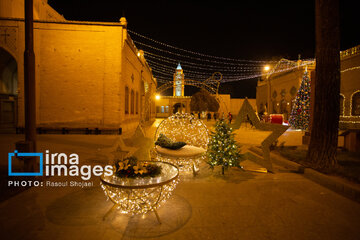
column 350, row 69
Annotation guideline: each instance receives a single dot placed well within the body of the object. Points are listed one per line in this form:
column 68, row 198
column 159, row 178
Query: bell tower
column 178, row 82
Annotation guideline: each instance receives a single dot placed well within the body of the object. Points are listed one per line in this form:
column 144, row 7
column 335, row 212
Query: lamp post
column 29, row 86
column 266, row 70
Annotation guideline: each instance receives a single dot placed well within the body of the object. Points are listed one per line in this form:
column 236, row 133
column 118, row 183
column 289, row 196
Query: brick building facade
column 88, row 74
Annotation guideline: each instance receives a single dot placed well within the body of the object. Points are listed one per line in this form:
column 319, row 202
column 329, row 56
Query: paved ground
column 239, row 205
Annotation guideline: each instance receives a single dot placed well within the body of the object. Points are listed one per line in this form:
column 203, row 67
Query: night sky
column 250, row 30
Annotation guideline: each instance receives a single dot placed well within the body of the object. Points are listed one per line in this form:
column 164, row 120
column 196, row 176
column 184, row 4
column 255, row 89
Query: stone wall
column 82, row 69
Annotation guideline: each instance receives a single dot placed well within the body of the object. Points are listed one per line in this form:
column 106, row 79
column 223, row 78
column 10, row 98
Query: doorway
column 8, row 90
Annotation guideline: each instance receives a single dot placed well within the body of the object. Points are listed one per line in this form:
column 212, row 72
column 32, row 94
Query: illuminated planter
column 141, row 195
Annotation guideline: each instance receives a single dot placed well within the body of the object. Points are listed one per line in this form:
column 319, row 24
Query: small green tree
column 222, row 149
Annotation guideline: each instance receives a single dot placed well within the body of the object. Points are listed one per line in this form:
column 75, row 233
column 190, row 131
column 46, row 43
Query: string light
column 186, row 128
column 184, row 62
column 196, row 53
column 207, row 68
column 231, row 79
column 170, row 71
column 200, row 66
column 350, row 69
column 141, row 195
column 185, row 56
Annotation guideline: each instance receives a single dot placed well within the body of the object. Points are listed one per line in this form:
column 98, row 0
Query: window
column 275, row 106
column 132, row 102
column 342, row 105
column 162, row 109
column 355, row 104
column 137, row 103
column 126, row 100
column 166, row 109
column 158, row 109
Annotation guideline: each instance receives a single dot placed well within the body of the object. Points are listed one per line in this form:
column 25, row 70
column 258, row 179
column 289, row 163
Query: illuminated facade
column 276, row 91
column 88, row 74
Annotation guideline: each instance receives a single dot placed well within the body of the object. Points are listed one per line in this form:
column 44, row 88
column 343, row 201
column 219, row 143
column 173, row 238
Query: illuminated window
column 137, row 103
column 126, row 100
column 132, row 102
column 162, row 109
column 166, row 109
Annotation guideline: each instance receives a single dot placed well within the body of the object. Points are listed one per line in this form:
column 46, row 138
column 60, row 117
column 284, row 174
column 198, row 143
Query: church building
column 167, row 105
column 88, row 74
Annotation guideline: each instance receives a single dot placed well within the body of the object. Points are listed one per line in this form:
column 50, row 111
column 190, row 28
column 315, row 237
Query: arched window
column 276, row 107
column 126, row 100
column 293, row 91
column 355, row 104
column 342, row 105
column 137, row 103
column 8, row 73
column 132, row 102
column 283, row 106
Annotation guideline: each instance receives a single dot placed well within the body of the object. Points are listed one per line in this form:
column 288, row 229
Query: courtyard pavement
column 239, row 205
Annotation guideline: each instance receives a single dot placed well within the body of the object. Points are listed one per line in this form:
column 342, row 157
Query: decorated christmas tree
column 222, row 149
column 300, row 113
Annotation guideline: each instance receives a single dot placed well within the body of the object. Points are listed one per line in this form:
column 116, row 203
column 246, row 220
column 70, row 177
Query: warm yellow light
column 138, row 54
column 266, row 68
column 157, row 97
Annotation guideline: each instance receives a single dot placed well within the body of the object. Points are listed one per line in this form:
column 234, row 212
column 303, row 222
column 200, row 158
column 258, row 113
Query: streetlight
column 157, row 97
column 266, row 69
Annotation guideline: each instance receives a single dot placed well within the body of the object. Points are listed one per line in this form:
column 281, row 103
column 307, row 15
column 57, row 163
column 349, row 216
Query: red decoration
column 276, row 118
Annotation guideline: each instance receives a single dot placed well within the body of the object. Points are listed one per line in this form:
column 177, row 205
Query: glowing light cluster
column 189, row 164
column 186, row 128
column 141, row 195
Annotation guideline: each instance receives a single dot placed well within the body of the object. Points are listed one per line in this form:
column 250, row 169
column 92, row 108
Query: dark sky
column 253, row 30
